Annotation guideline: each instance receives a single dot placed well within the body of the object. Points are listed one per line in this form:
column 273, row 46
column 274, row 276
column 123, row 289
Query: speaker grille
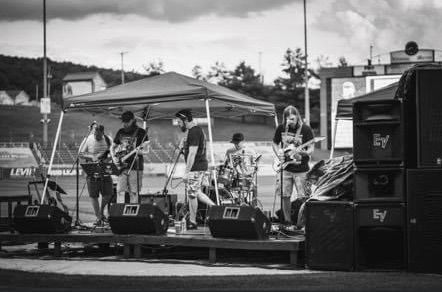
column 329, row 235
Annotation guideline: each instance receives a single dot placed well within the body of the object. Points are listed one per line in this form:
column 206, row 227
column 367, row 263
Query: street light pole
column 306, row 90
column 45, row 76
column 122, row 67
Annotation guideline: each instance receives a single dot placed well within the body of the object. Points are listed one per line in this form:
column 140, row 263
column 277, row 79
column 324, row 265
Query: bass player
column 291, row 133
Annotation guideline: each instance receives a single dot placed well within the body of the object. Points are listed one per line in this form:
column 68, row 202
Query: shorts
column 194, row 183
column 103, row 185
column 290, row 179
column 128, row 183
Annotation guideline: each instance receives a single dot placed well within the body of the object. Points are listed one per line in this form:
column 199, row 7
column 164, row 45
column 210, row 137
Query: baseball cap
column 237, row 137
column 127, row 116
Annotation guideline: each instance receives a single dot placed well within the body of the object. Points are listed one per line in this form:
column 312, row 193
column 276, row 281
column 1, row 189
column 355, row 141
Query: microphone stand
column 172, row 171
column 76, row 164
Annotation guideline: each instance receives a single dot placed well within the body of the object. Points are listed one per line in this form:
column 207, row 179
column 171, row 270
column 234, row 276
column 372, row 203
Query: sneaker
column 191, row 226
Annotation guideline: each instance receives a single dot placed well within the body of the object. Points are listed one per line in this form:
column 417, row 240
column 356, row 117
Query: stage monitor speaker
column 137, row 219
column 428, row 118
column 329, row 235
column 165, row 203
column 379, row 184
column 240, row 222
column 41, row 219
column 424, row 191
column 378, row 133
column 380, row 236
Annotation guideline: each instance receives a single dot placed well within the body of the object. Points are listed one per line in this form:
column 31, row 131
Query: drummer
column 236, row 157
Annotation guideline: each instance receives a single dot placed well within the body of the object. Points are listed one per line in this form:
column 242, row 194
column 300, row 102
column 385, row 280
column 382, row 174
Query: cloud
column 388, row 24
column 168, row 10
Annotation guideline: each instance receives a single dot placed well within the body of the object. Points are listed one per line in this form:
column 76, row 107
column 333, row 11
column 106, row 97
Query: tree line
column 18, row 73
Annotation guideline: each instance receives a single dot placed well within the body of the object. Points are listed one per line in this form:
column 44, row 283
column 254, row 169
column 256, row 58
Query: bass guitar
column 291, row 150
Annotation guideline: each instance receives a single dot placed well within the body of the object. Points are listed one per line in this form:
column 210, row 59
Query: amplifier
column 380, row 236
column 41, row 219
column 137, row 219
column 241, row 222
column 329, row 235
column 165, row 203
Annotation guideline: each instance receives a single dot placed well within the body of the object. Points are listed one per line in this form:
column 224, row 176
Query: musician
column 196, row 163
column 126, row 141
column 291, row 133
column 95, row 148
column 238, row 152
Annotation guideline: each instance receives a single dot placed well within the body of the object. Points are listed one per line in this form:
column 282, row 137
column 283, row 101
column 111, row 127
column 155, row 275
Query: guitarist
column 126, row 140
column 95, row 148
column 291, row 133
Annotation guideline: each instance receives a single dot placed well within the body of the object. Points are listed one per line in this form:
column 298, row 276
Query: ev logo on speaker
column 379, row 215
column 378, row 140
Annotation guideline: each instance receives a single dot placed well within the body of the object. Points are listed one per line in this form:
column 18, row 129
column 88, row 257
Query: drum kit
column 237, row 180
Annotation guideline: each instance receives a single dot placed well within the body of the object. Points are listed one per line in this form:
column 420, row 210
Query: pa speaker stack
column 423, row 122
column 379, row 180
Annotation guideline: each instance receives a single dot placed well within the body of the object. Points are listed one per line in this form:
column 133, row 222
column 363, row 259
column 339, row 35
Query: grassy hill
column 21, row 123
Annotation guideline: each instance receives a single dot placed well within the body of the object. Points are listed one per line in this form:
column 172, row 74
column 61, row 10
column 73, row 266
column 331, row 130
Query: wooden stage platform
column 133, row 243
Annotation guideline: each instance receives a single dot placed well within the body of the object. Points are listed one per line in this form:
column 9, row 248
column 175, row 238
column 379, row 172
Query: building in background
column 82, row 83
column 15, row 97
column 351, row 81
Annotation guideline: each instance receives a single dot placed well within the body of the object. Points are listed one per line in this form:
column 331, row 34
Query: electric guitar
column 278, row 165
column 120, row 161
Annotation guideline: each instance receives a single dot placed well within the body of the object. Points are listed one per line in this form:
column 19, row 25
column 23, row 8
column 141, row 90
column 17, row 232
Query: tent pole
column 334, row 138
column 212, row 156
column 54, row 147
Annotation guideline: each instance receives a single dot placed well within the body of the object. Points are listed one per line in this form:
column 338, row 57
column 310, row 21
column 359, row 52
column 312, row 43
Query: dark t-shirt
column 128, row 140
column 196, row 137
column 305, row 135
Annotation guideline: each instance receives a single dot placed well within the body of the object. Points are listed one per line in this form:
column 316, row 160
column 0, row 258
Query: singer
column 294, row 162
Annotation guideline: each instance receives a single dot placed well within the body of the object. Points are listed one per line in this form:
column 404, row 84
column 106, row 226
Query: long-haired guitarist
column 126, row 141
column 295, row 162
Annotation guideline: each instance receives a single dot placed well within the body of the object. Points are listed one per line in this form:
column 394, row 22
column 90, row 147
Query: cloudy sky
column 184, row 33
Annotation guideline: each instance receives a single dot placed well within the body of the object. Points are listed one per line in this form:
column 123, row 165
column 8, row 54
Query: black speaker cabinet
column 137, row 219
column 240, row 222
column 379, row 184
column 41, row 219
column 378, row 133
column 424, row 220
column 329, row 235
column 165, row 203
column 429, row 117
column 380, row 236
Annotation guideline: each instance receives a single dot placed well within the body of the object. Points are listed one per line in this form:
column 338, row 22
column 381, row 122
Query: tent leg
column 334, row 139
column 212, row 156
column 54, row 147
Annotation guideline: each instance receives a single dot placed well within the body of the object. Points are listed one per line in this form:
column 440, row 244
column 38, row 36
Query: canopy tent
column 162, row 96
column 344, row 108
